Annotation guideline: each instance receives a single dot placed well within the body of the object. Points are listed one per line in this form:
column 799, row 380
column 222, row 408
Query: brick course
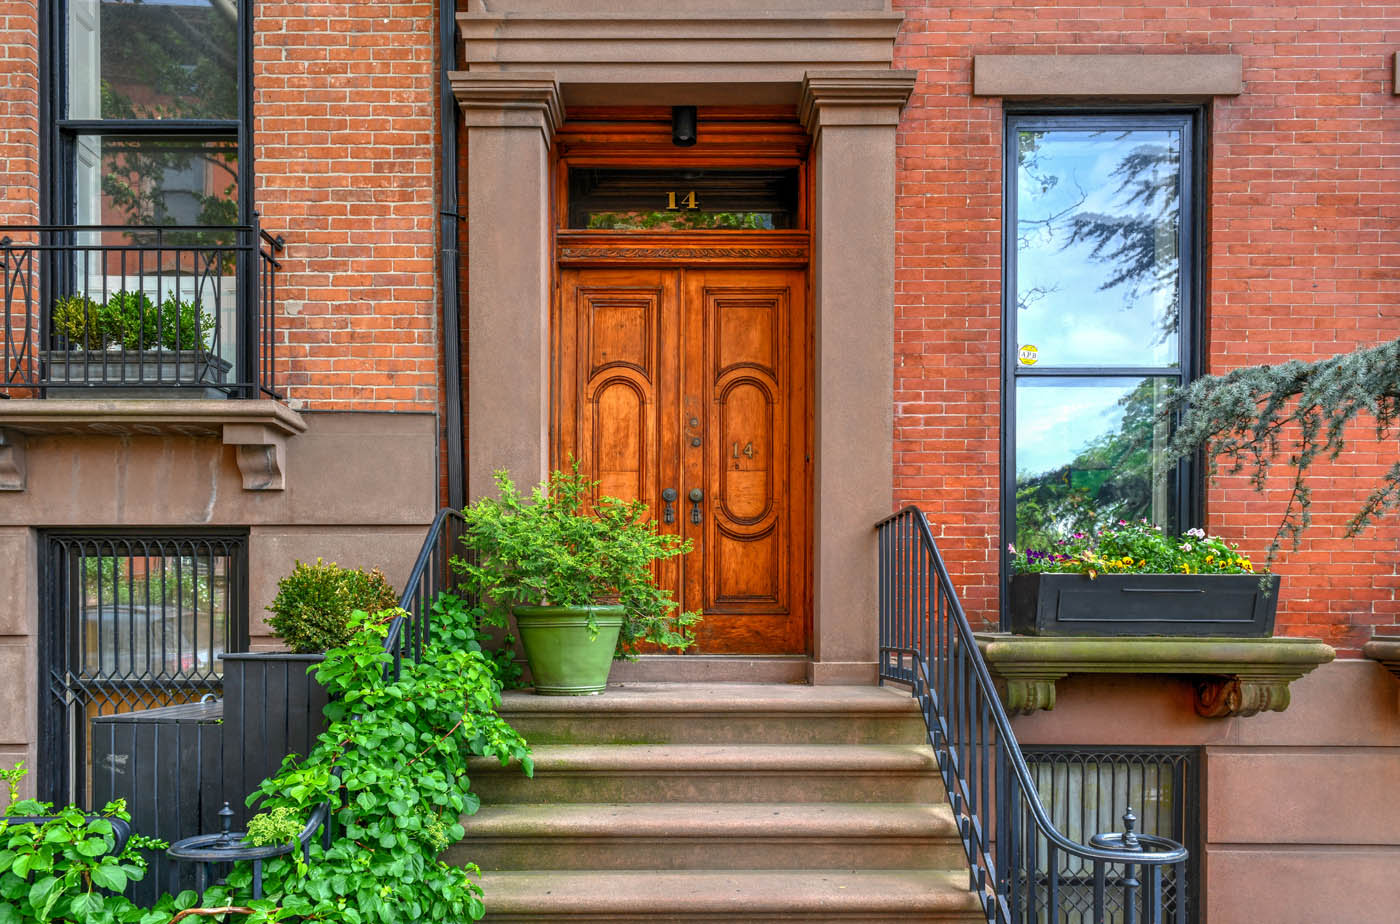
column 346, row 164
column 1302, row 249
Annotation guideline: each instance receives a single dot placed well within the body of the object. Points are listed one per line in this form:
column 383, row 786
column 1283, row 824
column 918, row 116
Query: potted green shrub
column 578, row 577
column 130, row 339
column 1133, row 579
column 272, row 703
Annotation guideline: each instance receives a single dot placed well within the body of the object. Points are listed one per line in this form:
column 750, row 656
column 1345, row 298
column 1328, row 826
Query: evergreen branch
column 1242, row 416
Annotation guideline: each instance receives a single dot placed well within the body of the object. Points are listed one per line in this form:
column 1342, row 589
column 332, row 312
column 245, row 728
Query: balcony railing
column 121, row 311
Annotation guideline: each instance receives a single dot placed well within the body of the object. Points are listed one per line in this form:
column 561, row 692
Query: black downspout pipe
column 448, row 218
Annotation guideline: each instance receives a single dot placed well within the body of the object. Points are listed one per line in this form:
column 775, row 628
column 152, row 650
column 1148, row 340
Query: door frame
column 851, row 115
column 641, row 137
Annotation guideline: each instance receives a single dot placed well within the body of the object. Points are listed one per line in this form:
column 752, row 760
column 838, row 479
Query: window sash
column 1185, row 496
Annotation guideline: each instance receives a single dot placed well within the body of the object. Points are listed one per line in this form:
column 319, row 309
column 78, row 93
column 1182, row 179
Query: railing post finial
column 1130, row 838
column 226, row 821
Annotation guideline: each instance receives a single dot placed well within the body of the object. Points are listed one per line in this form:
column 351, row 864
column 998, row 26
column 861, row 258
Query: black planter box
column 167, row 763
column 272, row 708
column 1143, row 604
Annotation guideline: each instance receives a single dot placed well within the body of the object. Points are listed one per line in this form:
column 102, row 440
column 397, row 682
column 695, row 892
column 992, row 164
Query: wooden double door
column 688, row 388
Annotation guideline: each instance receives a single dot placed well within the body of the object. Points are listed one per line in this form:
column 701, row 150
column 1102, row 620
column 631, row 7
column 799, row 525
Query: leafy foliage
column 312, row 609
column 680, row 219
column 58, row 871
column 392, row 766
column 1245, row 417
column 1134, row 548
column 132, row 321
column 551, row 550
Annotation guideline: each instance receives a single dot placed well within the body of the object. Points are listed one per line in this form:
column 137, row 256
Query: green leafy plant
column 79, row 320
column 311, row 611
column 65, row 869
column 551, row 549
column 392, row 766
column 1134, row 548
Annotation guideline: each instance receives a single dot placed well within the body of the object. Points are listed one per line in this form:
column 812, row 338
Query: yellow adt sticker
column 1028, row 355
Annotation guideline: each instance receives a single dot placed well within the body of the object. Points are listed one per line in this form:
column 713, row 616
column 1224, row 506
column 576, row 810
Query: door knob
column 669, row 496
column 696, row 496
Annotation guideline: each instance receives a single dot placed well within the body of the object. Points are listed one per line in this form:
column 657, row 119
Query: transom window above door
column 683, row 199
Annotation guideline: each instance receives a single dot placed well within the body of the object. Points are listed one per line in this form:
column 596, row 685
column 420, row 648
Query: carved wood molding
column 769, row 250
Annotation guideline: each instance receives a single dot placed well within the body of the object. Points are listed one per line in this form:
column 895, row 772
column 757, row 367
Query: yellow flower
column 1141, row 562
column 1185, row 569
column 1127, row 559
column 1092, row 574
column 1210, row 558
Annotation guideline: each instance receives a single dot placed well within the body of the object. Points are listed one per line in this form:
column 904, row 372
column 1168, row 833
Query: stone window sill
column 257, row 429
column 1234, row 676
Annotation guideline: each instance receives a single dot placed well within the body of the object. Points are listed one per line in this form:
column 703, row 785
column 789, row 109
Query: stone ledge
column 1386, row 650
column 1234, row 676
column 258, row 429
column 1103, row 76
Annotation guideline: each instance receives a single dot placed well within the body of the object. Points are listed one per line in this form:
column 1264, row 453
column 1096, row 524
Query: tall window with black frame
column 1100, row 318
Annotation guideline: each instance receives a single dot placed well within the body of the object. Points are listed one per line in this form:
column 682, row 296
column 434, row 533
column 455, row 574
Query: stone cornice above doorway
column 514, row 100
column 711, row 52
column 853, row 98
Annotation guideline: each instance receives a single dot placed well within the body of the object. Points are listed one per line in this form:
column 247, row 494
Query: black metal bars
column 1021, row 867
column 93, row 309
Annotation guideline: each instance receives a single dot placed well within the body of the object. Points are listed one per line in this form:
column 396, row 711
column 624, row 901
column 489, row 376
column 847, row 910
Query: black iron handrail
column 97, row 307
column 1017, row 858
column 407, row 636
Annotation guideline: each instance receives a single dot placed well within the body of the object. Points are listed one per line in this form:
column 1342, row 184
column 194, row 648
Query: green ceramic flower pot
column 564, row 660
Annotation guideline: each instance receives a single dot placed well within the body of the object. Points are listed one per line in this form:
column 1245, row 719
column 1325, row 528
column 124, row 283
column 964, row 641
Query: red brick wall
column 1303, row 248
column 347, row 171
column 19, row 112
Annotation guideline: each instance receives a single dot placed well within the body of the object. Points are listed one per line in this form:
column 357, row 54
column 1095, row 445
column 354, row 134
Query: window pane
column 156, row 181
column 1098, row 279
column 158, row 59
column 682, row 199
column 1087, row 452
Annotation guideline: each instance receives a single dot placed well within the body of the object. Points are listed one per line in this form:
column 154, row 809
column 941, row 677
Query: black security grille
column 131, row 622
column 1086, row 790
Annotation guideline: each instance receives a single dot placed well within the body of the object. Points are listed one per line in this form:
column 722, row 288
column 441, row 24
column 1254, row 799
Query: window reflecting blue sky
column 1097, row 227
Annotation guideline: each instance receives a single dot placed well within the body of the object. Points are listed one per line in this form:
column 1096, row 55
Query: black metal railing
column 1022, row 868
column 105, row 310
column 408, row 634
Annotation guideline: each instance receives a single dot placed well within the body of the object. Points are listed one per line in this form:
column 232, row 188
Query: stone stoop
column 718, row 802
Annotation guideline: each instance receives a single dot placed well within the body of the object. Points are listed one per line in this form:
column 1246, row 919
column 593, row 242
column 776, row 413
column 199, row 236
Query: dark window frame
column 1189, row 496
column 58, row 134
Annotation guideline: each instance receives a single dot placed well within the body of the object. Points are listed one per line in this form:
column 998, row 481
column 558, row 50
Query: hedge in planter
column 1132, row 579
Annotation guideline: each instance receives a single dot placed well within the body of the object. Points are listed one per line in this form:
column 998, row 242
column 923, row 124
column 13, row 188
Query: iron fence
column 130, row 622
column 1022, row 867
column 116, row 310
column 1088, row 789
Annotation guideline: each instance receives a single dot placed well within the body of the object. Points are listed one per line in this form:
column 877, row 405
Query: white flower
column 1011, row 548
column 1185, row 547
column 1196, row 532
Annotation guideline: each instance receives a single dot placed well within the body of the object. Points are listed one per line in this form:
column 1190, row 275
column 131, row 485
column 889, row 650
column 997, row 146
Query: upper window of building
column 1099, row 319
column 150, row 117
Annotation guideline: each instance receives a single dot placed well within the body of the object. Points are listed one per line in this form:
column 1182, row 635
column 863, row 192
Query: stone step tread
column 713, row 820
column 728, row 698
column 804, row 894
column 707, row 758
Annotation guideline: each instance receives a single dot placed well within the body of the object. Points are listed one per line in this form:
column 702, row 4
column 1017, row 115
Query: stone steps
column 755, row 897
column 718, row 835
column 714, row 773
column 718, row 802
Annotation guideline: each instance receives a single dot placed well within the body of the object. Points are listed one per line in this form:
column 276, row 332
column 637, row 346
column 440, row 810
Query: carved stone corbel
column 1238, row 697
column 261, row 451
column 13, row 466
